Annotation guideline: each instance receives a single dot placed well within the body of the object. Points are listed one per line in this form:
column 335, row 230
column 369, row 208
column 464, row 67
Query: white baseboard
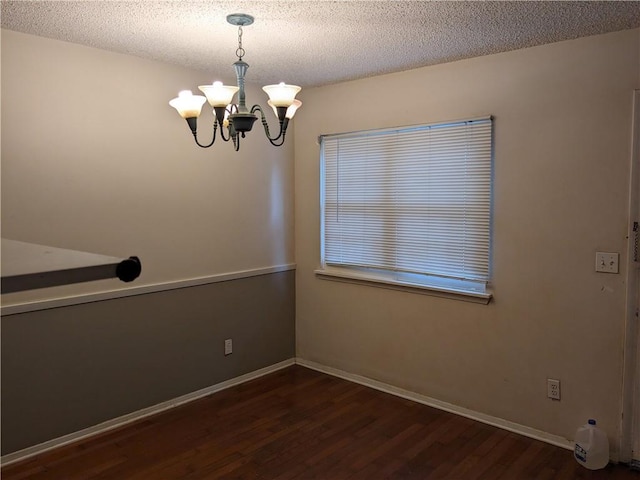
column 447, row 407
column 138, row 415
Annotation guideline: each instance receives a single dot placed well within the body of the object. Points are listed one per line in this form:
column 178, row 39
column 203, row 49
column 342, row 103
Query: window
column 410, row 207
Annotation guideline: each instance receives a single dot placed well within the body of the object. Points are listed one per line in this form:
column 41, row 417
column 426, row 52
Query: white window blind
column 413, row 200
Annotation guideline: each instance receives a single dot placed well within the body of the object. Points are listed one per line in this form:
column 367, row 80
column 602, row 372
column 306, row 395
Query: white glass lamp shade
column 187, row 104
column 282, row 95
column 291, row 110
column 218, row 95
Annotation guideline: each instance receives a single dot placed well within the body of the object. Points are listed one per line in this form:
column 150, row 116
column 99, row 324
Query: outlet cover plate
column 228, row 346
column 553, row 389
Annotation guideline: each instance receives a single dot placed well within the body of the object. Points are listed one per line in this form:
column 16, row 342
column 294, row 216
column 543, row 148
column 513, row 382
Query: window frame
column 459, row 289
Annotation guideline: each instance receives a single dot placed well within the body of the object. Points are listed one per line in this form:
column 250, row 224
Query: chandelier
column 235, row 119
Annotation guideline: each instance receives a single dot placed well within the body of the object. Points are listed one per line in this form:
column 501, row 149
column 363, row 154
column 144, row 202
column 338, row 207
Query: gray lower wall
column 69, row 368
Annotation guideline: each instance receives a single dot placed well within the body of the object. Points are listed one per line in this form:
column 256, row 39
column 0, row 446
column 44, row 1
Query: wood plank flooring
column 299, row 424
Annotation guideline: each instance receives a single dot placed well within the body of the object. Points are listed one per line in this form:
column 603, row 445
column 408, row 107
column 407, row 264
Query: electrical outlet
column 228, row 346
column 553, row 389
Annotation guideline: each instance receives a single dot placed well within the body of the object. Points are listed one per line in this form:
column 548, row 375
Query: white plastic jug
column 592, row 446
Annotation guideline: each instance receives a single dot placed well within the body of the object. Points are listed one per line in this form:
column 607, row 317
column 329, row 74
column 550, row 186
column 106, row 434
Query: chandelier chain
column 240, row 51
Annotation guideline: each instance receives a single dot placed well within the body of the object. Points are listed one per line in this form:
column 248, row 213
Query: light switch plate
column 607, row 262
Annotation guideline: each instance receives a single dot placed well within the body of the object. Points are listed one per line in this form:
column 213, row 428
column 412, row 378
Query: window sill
column 382, row 281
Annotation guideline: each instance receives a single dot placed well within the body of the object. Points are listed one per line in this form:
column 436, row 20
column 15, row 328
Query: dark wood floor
column 301, row 424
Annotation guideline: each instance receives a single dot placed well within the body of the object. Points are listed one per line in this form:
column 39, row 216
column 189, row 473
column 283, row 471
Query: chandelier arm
column 283, row 126
column 226, row 139
column 220, row 113
column 280, row 143
column 192, row 125
column 233, row 134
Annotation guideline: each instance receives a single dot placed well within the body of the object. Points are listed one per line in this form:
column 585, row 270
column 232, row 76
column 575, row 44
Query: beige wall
column 94, row 159
column 562, row 152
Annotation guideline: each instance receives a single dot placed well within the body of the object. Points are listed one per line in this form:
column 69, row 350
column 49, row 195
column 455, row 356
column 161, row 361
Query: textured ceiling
column 316, row 42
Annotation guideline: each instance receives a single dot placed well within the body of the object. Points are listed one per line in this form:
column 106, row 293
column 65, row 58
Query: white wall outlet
column 553, row 389
column 228, row 346
column 607, row 262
